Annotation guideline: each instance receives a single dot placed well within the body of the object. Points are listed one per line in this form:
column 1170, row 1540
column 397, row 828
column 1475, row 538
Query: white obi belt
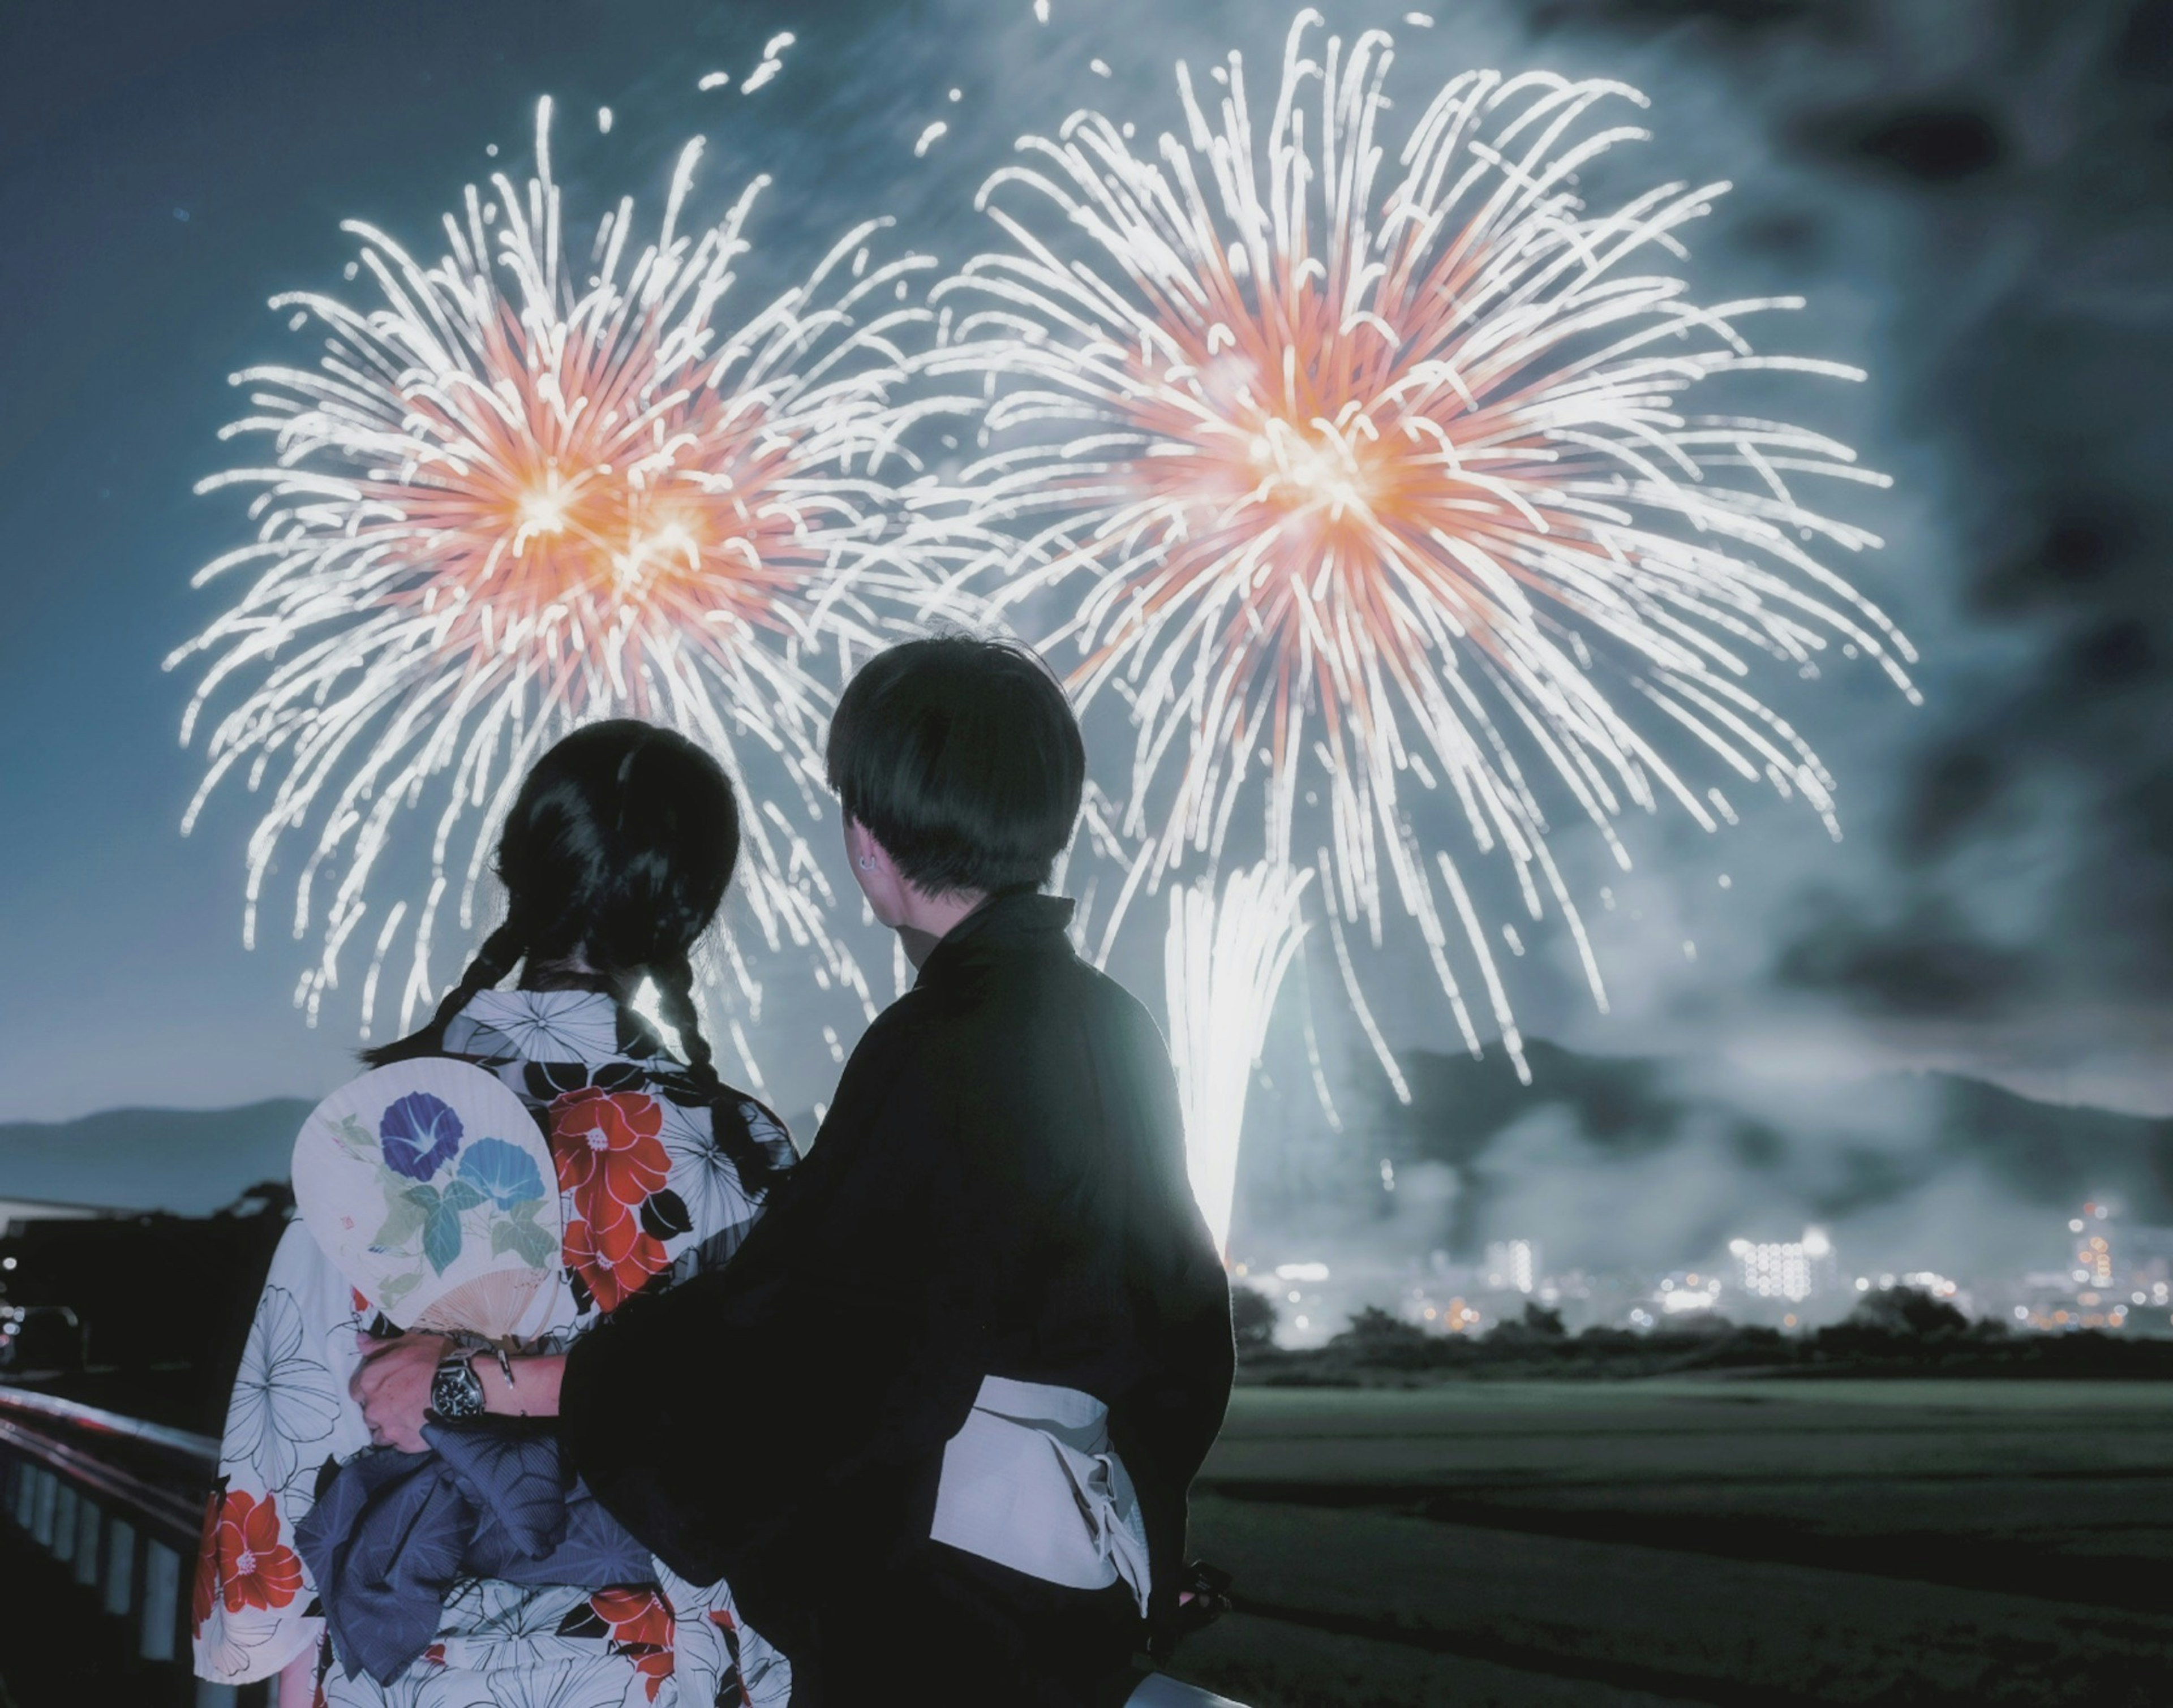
column 1032, row 1482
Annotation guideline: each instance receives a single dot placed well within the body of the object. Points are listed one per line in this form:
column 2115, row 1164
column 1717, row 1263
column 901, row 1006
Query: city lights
column 1792, row 1269
column 1514, row 1264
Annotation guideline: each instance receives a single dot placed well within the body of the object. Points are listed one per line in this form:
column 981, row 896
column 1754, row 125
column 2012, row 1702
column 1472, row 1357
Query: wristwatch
column 456, row 1391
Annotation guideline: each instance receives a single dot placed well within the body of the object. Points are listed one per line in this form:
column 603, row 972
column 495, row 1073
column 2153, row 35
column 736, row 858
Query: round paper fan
column 430, row 1187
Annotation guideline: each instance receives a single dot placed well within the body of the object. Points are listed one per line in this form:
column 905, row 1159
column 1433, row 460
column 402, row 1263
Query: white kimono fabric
column 648, row 1198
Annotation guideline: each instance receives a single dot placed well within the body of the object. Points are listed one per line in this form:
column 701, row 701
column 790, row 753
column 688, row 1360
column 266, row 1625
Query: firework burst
column 1363, row 487
column 517, row 495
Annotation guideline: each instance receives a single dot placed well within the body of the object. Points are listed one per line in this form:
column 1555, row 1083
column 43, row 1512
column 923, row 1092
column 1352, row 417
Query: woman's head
column 618, row 848
column 962, row 758
column 615, row 857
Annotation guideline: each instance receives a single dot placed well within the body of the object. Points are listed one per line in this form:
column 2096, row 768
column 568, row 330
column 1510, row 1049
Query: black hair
column 617, row 852
column 961, row 756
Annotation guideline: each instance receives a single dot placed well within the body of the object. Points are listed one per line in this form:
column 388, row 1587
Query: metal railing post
column 87, row 1527
column 63, row 1541
column 116, row 1502
column 41, row 1507
column 120, row 1567
column 162, row 1601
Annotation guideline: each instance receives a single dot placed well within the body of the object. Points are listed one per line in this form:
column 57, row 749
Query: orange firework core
column 1337, row 482
column 569, row 498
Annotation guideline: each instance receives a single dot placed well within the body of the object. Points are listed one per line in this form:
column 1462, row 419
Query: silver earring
column 867, row 864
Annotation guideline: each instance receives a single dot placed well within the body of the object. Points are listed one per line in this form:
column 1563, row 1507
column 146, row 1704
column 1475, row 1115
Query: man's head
column 960, row 759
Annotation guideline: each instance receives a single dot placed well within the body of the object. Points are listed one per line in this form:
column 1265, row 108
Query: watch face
column 456, row 1391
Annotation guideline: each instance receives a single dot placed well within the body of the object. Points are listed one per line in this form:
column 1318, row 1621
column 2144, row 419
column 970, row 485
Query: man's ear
column 867, row 854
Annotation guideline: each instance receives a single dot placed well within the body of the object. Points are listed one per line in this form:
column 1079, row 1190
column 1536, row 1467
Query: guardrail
column 118, row 1504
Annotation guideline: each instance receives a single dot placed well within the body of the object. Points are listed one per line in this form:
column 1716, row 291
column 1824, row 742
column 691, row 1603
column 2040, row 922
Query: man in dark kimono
column 998, row 1191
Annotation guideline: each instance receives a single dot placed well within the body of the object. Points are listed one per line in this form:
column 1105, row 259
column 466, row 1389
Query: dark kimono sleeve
column 740, row 1425
column 1164, row 1427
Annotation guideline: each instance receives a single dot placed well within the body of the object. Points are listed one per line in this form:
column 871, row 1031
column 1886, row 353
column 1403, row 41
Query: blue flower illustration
column 419, row 1133
column 503, row 1173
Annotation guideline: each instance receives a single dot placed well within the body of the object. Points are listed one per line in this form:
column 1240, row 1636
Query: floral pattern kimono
column 648, row 1198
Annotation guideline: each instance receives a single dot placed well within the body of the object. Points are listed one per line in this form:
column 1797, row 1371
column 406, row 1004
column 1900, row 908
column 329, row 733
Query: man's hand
column 393, row 1387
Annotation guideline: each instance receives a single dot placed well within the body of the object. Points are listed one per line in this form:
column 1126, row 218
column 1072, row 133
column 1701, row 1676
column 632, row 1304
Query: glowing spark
column 604, row 120
column 1100, row 67
column 504, row 503
column 714, row 79
column 1224, row 961
column 928, row 138
column 1378, row 491
column 771, row 64
column 1041, row 11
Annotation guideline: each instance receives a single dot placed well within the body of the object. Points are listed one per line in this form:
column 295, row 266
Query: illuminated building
column 2093, row 1265
column 1790, row 1270
column 1514, row 1264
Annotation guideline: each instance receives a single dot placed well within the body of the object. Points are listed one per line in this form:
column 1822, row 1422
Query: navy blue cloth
column 392, row 1531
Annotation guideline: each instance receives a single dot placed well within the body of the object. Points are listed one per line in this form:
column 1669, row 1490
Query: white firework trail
column 1224, row 959
column 1366, row 486
column 518, row 493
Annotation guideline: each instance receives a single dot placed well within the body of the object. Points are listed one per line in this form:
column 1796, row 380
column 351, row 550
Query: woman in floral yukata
column 615, row 857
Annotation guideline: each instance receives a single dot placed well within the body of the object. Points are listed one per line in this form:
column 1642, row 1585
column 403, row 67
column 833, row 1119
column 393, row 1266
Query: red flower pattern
column 722, row 1619
column 641, row 1622
column 613, row 1165
column 616, row 1266
column 254, row 1567
column 610, row 1162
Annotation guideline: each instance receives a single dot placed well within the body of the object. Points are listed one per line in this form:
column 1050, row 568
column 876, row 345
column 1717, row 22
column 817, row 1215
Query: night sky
column 1977, row 198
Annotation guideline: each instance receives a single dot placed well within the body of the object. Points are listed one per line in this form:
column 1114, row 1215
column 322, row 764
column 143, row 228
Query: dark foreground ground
column 1765, row 1542
column 1760, row 1543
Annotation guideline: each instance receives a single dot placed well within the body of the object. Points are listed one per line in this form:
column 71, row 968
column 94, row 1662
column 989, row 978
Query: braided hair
column 617, row 853
column 675, row 992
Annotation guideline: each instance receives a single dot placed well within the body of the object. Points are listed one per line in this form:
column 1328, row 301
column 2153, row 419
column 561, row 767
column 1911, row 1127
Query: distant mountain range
column 190, row 1161
column 1675, row 1154
column 1635, row 1152
column 1630, row 1104
column 1633, row 1164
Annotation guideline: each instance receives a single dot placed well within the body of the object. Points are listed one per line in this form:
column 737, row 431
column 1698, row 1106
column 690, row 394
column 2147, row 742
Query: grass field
column 1768, row 1543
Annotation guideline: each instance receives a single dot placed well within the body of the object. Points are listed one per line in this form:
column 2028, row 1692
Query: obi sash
column 392, row 1532
column 1030, row 1482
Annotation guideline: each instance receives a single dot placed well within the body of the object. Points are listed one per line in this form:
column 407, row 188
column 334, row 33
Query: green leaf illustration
column 353, row 1137
column 399, row 1287
column 537, row 1249
column 461, row 1197
column 441, row 1236
column 403, row 1219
